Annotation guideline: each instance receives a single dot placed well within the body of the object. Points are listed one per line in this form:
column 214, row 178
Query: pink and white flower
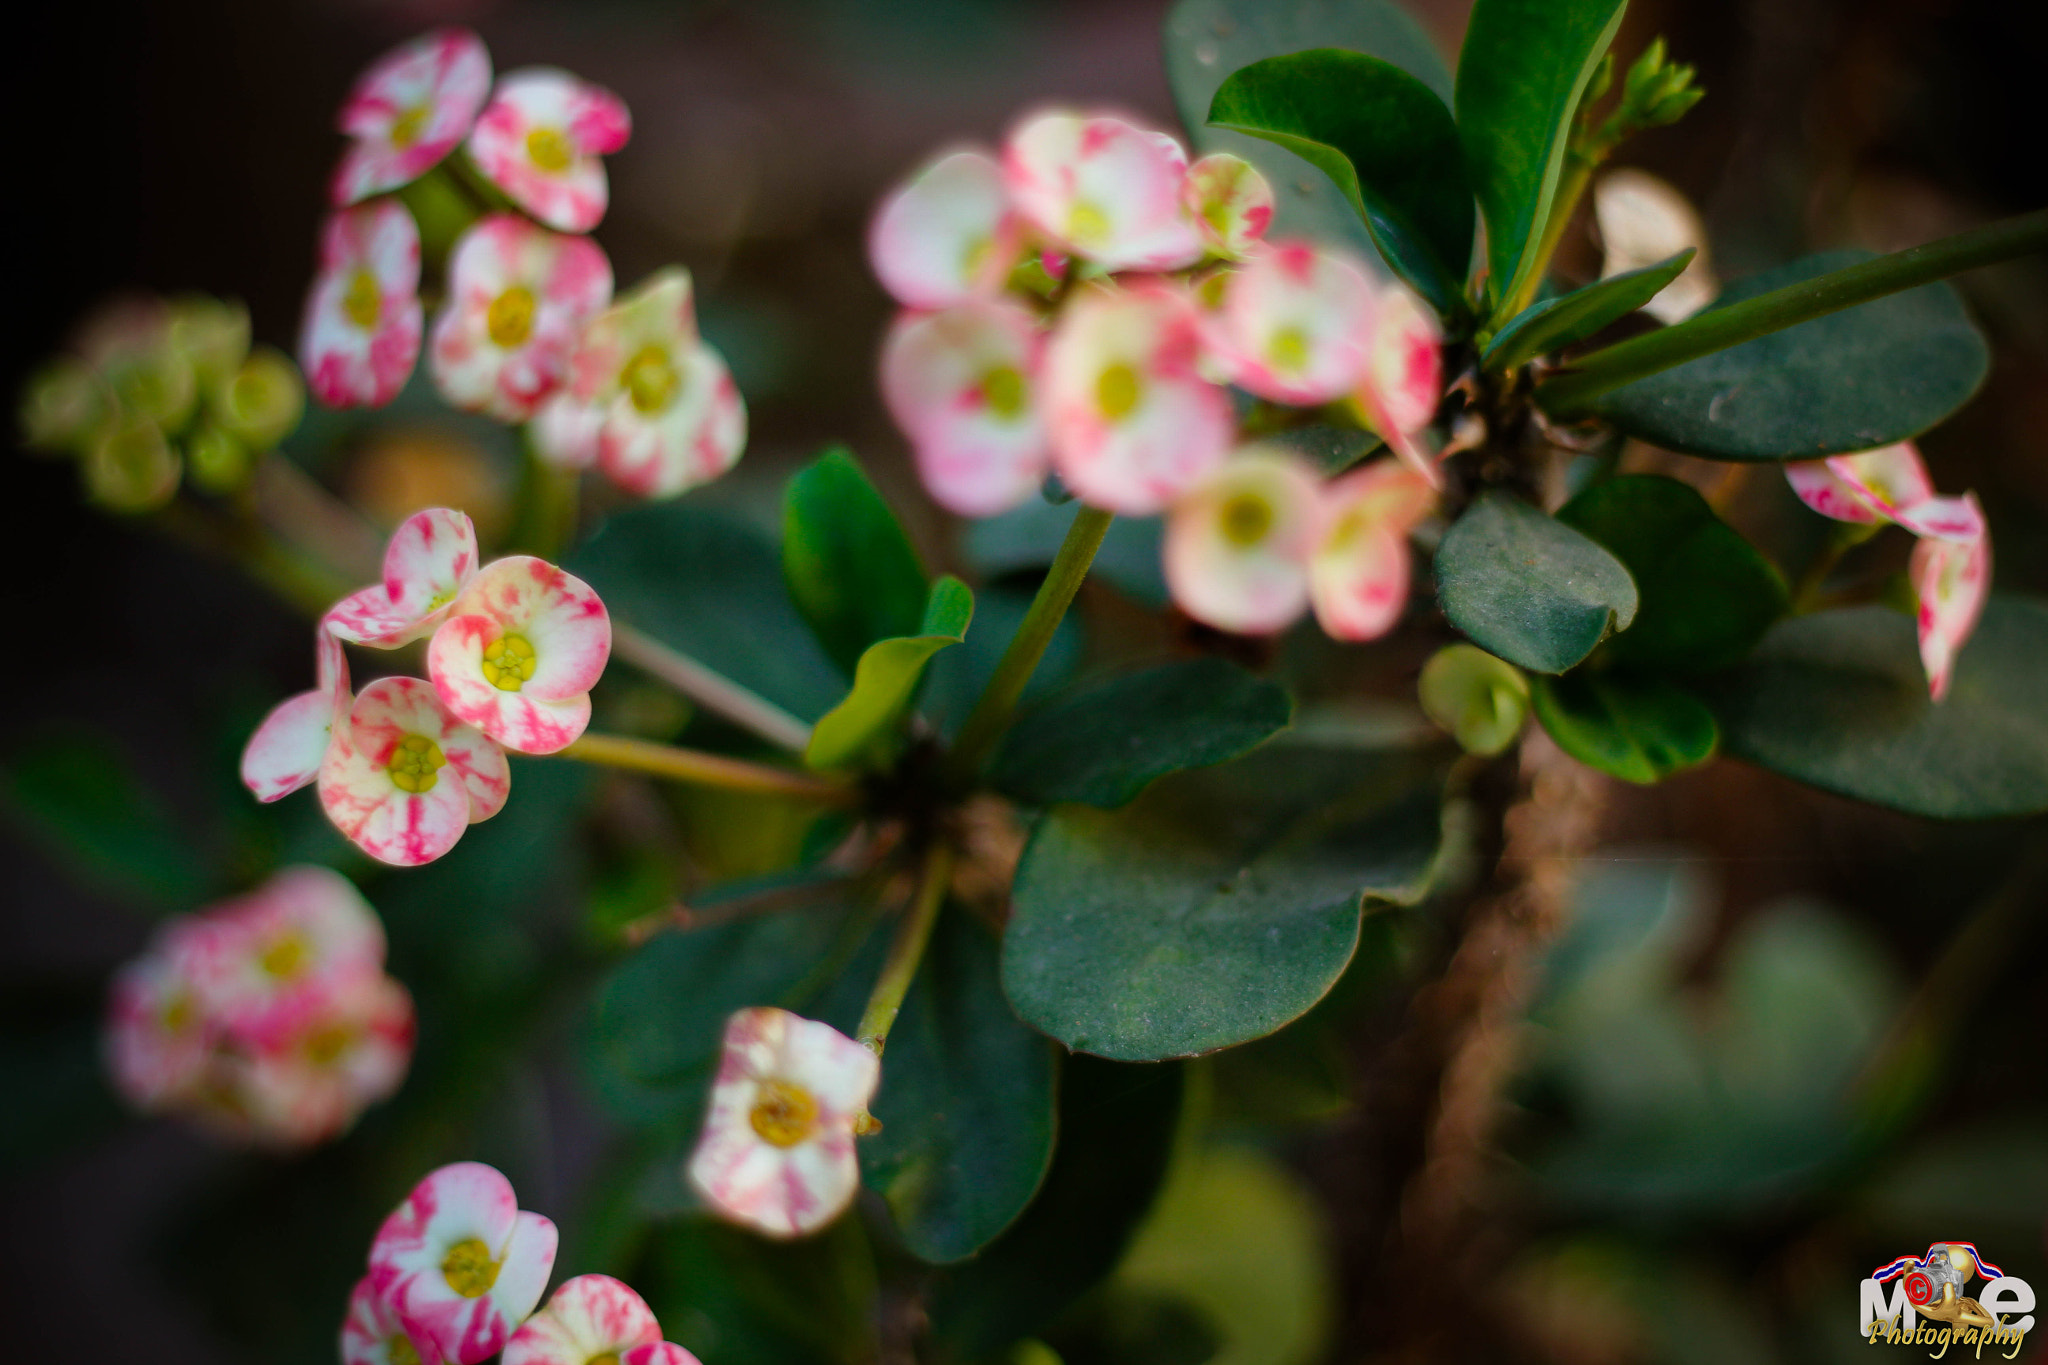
column 518, row 298
column 285, row 953
column 311, row 1086
column 371, row 1334
column 777, row 1150
column 412, row 107
column 1230, row 202
column 1403, row 381
column 160, row 1039
column 1103, row 189
column 962, row 384
column 404, row 777
column 1952, row 579
column 541, row 139
column 1133, row 422
column 285, row 752
column 460, row 1263
column 1294, row 324
column 1358, row 575
column 592, row 1317
column 671, row 417
column 519, row 653
column 361, row 335
column 1238, row 542
column 429, row 560
column 947, row 234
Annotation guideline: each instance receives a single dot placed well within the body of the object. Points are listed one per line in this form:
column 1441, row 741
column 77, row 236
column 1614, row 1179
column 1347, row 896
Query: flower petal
column 1295, row 324
column 946, row 235
column 1952, row 579
column 567, row 636
column 518, row 298
column 357, row 787
column 361, row 334
column 1358, row 576
column 1819, row 487
column 589, row 1316
column 412, row 107
column 1103, row 189
column 1230, row 202
column 285, row 752
column 1403, row 376
column 962, row 383
column 1889, row 479
column 371, row 1330
column 539, row 140
column 1238, row 543
column 431, row 557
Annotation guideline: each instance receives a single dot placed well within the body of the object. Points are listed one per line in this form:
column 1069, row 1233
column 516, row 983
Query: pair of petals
column 286, row 751
column 428, row 561
column 947, row 235
column 1230, row 202
column 569, row 634
column 518, row 299
column 412, row 107
column 540, row 140
column 282, row 952
column 811, row 1082
column 461, row 1228
column 962, row 383
column 593, row 1317
column 361, row 333
column 1105, row 190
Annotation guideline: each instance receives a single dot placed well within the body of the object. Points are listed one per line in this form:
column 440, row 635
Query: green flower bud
column 1672, row 107
column 63, row 406
column 1602, row 80
column 212, row 335
column 155, row 385
column 1642, row 77
column 1481, row 700
column 217, row 461
column 132, row 468
column 262, row 402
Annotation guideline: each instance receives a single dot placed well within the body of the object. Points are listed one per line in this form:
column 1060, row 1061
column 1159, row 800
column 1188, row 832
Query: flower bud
column 132, row 468
column 63, row 406
column 1672, row 107
column 1600, row 83
column 218, row 461
column 212, row 334
column 1481, row 700
column 261, row 402
column 1638, row 86
column 155, row 385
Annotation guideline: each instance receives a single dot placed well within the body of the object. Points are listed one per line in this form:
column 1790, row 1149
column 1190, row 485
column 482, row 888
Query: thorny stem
column 991, row 715
column 710, row 689
column 906, row 950
column 1842, row 538
column 707, row 770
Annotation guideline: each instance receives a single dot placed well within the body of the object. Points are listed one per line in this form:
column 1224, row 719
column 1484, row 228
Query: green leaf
column 1520, row 74
column 966, row 1103
column 1386, row 140
column 1207, row 40
column 1554, row 324
column 1117, row 1126
column 1635, row 727
column 78, row 794
column 851, row 570
column 1218, row 906
column 1852, row 380
column 1102, row 742
column 1837, row 699
column 725, row 1294
column 1707, row 594
column 1529, row 588
column 711, row 586
column 886, row 679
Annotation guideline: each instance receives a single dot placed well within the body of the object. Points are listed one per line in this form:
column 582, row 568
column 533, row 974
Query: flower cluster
column 1951, row 566
column 528, row 330
column 455, row 1272
column 156, row 390
column 405, row 766
column 1083, row 305
column 268, row 1018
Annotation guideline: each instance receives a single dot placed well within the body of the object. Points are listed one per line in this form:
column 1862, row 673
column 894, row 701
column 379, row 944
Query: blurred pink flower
column 540, row 140
column 1358, row 575
column 1104, row 190
column 518, row 298
column 1294, row 324
column 285, row 952
column 361, row 333
column 1403, row 380
column 591, row 1318
column 519, row 653
column 1238, row 542
column 429, row 560
column 962, row 383
column 412, row 107
column 404, row 777
column 312, row 1085
column 460, row 1263
column 947, row 234
column 1230, row 202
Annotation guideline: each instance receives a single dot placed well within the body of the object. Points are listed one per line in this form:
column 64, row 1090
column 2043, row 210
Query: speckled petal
column 1230, row 202
column 286, row 953
column 588, row 1317
column 1358, row 576
column 1403, row 376
column 692, row 441
column 658, row 1353
column 430, row 559
column 412, row 107
column 1819, row 487
column 563, row 621
column 1238, row 544
column 1103, row 189
column 1294, row 324
column 565, row 432
column 946, row 234
column 1952, row 579
column 1889, row 479
column 371, row 1330
column 362, row 328
column 540, row 139
column 285, row 752
column 962, row 383
column 356, row 786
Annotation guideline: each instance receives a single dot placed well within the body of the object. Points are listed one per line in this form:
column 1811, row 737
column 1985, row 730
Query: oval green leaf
column 851, row 569
column 1554, row 324
column 1520, row 74
column 1218, row 906
column 1102, row 742
column 1837, row 699
column 1860, row 378
column 884, row 681
column 1527, row 587
column 1384, row 138
column 1638, row 728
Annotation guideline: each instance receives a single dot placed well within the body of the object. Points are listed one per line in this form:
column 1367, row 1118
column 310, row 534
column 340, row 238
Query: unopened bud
column 262, row 402
column 132, row 468
column 1672, row 107
column 212, row 335
column 217, row 461
column 1638, row 86
column 1602, row 80
column 1481, row 700
column 155, row 385
column 63, row 406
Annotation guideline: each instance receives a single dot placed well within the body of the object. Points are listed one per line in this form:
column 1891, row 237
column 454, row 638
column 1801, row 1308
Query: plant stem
column 991, row 714
column 707, row 770
column 1843, row 537
column 906, row 950
column 1571, row 393
column 710, row 689
column 547, row 507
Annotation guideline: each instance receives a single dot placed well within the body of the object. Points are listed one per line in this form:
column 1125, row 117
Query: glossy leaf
column 1527, row 587
column 1520, row 74
column 1102, row 742
column 1550, row 326
column 1837, row 699
column 1218, row 906
column 966, row 1103
column 851, row 570
column 1856, row 379
column 1384, row 138
column 1707, row 594
column 727, row 1295
column 1207, row 40
column 1635, row 727
column 886, row 679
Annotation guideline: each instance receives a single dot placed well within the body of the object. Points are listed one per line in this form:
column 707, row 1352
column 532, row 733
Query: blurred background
column 1682, row 1178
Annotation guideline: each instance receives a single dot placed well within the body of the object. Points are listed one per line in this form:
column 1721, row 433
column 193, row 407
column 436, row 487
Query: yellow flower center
column 1117, row 391
column 414, row 764
column 324, row 1046
column 549, row 149
column 976, row 252
column 650, row 378
column 784, row 1113
column 606, row 1358
column 364, row 301
column 1288, row 350
column 179, row 1013
column 1086, row 223
column 285, row 956
column 1002, row 388
column 469, row 1269
column 510, row 317
column 401, row 1350
column 1246, row 519
column 509, row 663
column 406, row 129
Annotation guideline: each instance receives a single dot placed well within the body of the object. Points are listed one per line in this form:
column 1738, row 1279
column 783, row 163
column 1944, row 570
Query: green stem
column 707, row 770
column 991, row 715
column 906, row 950
column 1571, row 393
column 1843, row 537
column 710, row 689
column 547, row 507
